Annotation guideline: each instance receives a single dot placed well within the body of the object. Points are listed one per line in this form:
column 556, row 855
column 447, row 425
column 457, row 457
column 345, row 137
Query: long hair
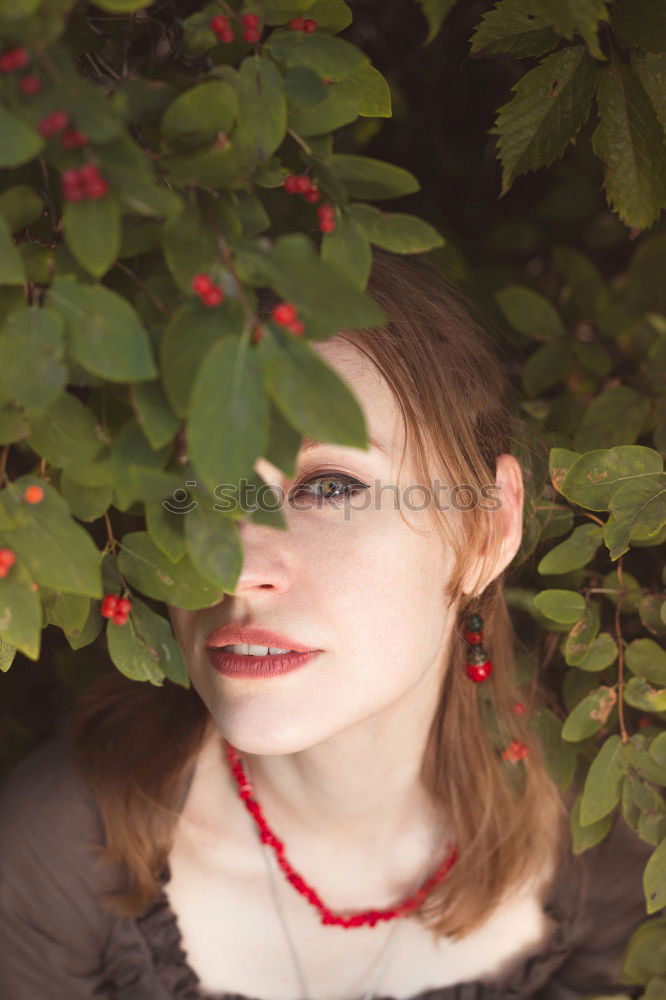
column 137, row 743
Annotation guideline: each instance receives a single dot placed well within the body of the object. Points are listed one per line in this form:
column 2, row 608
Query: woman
column 392, row 776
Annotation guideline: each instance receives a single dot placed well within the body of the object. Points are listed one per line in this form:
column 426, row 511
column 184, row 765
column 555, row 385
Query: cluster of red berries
column 209, row 293
column 117, row 608
column 33, row 494
column 284, row 314
column 303, row 24
column 13, row 60
column 57, row 122
column 326, row 214
column 7, row 560
column 87, row 182
column 301, row 184
column 225, row 33
column 515, row 751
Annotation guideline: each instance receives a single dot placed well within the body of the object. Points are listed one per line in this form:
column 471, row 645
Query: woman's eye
column 330, row 491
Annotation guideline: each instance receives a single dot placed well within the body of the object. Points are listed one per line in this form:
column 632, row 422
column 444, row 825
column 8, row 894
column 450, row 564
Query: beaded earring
column 479, row 666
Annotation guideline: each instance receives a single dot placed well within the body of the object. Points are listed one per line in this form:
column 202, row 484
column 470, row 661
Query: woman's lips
column 243, row 665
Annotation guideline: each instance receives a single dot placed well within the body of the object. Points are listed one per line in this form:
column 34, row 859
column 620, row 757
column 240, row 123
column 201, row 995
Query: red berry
column 124, row 605
column 302, row 183
column 213, row 296
column 515, row 751
column 290, row 184
column 295, row 327
column 309, row 25
column 53, row 123
column 97, row 187
column 4, row 570
column 219, row 23
column 226, row 35
column 30, row 84
column 119, row 618
column 284, row 313
column 14, row 59
column 297, row 24
column 72, row 139
column 519, row 708
column 327, row 226
column 7, row 558
column 313, row 195
column 201, row 283
column 252, row 35
column 33, row 494
column 89, row 172
column 109, row 605
column 250, row 20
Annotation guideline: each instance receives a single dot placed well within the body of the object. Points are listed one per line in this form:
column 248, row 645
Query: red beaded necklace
column 370, row 917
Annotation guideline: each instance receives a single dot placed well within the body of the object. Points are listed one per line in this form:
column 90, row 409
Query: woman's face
column 350, row 579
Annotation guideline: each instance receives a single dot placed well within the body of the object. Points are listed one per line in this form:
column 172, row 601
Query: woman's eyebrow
column 309, row 443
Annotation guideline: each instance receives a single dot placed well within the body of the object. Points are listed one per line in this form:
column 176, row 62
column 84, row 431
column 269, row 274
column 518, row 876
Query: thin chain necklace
column 387, row 948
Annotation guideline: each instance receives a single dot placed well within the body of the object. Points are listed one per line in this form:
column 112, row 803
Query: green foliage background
column 530, row 135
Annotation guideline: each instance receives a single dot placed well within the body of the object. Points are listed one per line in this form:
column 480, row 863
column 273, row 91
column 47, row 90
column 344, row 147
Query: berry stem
column 301, row 142
column 144, row 288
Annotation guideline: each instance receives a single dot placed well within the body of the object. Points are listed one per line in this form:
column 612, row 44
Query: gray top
column 57, row 943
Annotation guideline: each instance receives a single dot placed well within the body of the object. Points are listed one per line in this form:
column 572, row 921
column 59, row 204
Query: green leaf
column 601, row 653
column 331, row 15
column 513, row 27
column 530, row 313
column 395, row 231
column 654, row 879
column 638, row 513
column 20, row 205
column 158, row 421
column 65, row 433
column 87, row 503
column 434, row 12
column 643, row 25
column 658, row 749
column 559, row 757
column 577, row 643
column 31, row 358
column 551, row 103
column 582, row 280
column 310, row 394
column 198, row 115
column 561, row 605
column 370, row 91
column 615, row 417
column 262, row 106
column 198, row 327
column 57, row 552
column 20, row 142
column 647, row 659
column 7, row 653
column 645, row 953
column 214, row 546
column 560, row 461
column 138, row 470
column 630, row 141
column 650, row 68
column 303, row 87
column 227, row 428
column 92, row 231
column 190, row 246
column 66, row 611
column 12, row 268
column 547, row 366
column 144, row 647
column 122, row 6
column 105, row 334
column 589, row 715
column 571, row 17
column 166, row 527
column 593, row 478
column 326, row 300
column 575, row 552
column 125, row 165
column 20, row 608
column 150, row 571
column 348, row 248
column 585, row 837
column 601, row 791
column 365, row 177
column 339, row 107
column 328, row 56
column 641, row 695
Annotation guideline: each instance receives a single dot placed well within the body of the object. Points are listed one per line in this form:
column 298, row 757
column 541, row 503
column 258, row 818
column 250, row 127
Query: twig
column 144, row 288
column 620, row 659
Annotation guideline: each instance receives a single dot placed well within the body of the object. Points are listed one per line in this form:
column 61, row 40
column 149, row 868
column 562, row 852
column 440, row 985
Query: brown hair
column 136, row 743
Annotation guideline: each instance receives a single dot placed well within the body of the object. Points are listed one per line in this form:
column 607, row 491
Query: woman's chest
column 236, row 942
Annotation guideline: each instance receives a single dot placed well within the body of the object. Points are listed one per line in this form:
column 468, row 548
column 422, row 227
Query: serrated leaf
column 630, row 141
column 643, row 25
column 571, row 17
column 227, row 427
column 31, row 358
column 575, row 552
column 551, row 103
column 601, row 791
column 20, row 142
column 513, row 27
column 650, row 68
column 563, row 606
column 105, row 334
